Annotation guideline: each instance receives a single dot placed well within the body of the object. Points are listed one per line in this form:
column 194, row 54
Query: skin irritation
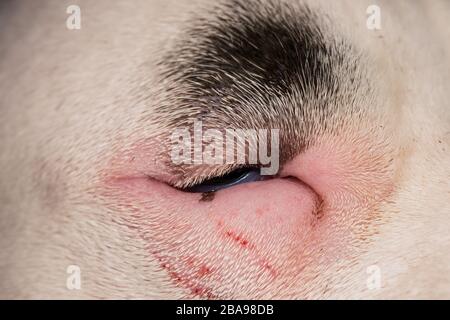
column 196, row 276
column 267, row 232
column 196, row 279
column 70, row 99
column 191, row 283
column 339, row 177
column 241, row 241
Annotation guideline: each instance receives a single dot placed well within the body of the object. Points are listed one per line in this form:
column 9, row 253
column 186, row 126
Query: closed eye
column 236, row 177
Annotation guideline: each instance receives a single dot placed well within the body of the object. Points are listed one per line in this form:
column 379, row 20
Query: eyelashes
column 236, row 177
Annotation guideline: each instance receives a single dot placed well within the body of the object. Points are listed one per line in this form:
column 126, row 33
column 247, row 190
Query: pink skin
column 253, row 239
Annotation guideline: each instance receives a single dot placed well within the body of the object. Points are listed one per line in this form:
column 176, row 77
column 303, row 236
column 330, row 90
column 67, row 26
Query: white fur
column 66, row 95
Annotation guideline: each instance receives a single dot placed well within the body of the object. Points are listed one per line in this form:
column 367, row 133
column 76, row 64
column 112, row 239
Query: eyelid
column 185, row 177
column 210, row 185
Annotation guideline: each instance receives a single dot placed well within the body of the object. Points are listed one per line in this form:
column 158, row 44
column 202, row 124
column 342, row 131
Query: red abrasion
column 244, row 243
column 203, row 271
column 266, row 266
column 184, row 281
column 239, row 239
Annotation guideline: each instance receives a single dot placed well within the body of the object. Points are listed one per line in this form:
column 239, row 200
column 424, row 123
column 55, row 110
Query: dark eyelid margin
column 236, row 177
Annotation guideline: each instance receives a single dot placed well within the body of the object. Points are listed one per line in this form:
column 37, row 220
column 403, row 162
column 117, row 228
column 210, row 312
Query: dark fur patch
column 270, row 44
column 254, row 64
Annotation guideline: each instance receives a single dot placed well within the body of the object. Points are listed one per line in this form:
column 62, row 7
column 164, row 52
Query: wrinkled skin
column 77, row 140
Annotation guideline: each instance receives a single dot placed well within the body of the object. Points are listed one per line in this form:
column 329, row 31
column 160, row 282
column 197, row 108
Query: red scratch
column 239, row 239
column 190, row 261
column 188, row 281
column 203, row 271
column 268, row 267
column 244, row 243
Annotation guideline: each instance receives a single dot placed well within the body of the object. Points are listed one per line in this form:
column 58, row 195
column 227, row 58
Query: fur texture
column 71, row 100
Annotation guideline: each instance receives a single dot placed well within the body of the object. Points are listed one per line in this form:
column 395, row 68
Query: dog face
column 116, row 135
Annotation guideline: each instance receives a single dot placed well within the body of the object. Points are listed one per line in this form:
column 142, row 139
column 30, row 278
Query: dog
column 93, row 205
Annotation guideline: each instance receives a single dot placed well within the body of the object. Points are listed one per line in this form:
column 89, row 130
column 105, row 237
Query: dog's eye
column 226, row 181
